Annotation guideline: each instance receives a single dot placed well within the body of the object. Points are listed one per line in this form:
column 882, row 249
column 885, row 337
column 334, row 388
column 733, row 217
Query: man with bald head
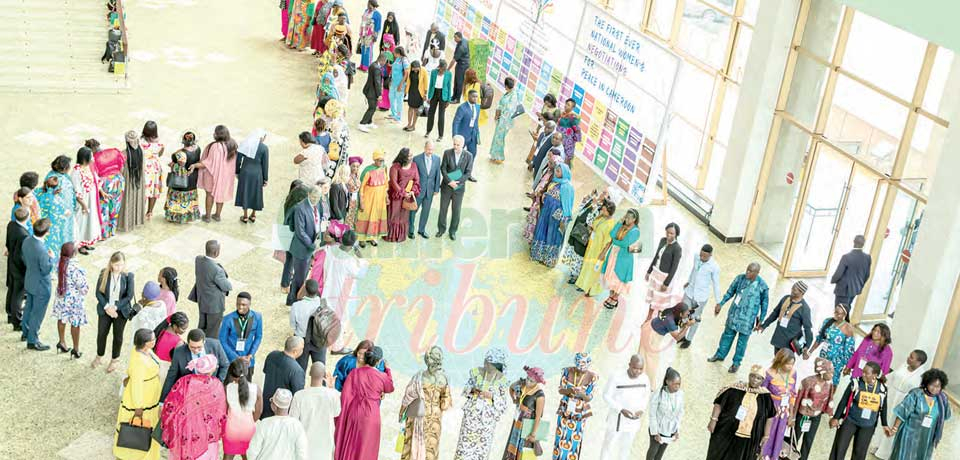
column 455, row 169
column 211, row 289
column 428, row 164
column 751, row 296
column 852, row 274
column 316, row 407
column 627, row 393
column 281, row 370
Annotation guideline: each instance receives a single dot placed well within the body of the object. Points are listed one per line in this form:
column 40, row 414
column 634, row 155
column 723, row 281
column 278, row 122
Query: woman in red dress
column 404, row 186
column 358, row 426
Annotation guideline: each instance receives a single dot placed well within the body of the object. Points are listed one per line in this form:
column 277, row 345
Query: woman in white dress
column 87, row 226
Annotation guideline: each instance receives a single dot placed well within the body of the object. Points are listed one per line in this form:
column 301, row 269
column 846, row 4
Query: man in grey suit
column 304, row 221
column 211, row 289
column 852, row 273
column 197, row 345
column 36, row 281
column 429, row 167
column 455, row 169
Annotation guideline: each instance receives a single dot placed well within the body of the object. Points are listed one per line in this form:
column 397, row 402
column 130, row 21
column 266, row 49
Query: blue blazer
column 39, row 265
column 230, row 334
column 461, row 124
column 305, row 232
column 447, row 85
column 429, row 180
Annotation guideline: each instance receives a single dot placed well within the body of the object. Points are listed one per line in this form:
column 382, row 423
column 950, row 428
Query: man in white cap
column 627, row 393
column 316, row 407
column 280, row 437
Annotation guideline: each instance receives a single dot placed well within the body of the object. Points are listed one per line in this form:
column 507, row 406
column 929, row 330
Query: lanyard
column 243, row 326
column 930, row 402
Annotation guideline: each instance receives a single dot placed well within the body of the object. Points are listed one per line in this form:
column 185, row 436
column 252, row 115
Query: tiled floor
column 197, row 64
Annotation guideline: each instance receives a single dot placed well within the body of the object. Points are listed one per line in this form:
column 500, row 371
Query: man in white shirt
column 300, row 313
column 316, row 407
column 704, row 277
column 627, row 394
column 342, row 269
column 280, row 437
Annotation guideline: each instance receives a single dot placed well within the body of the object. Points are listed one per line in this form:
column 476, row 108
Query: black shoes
column 62, row 349
column 684, row 343
column 453, row 236
column 38, row 346
column 423, row 235
column 733, row 369
column 439, row 234
column 410, row 235
column 471, row 179
column 75, row 354
column 713, row 359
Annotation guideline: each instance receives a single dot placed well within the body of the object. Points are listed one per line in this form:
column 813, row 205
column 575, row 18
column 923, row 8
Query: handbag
column 177, row 181
column 416, row 409
column 136, row 437
column 398, row 446
column 518, row 111
column 580, row 233
column 789, row 449
column 410, row 204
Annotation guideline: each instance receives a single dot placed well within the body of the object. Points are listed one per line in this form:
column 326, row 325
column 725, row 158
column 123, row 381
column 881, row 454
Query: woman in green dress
column 504, row 117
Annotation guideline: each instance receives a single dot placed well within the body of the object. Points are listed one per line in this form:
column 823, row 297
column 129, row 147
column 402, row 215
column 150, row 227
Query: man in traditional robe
column 627, row 393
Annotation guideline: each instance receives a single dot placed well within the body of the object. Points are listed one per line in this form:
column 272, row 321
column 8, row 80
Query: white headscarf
column 250, row 145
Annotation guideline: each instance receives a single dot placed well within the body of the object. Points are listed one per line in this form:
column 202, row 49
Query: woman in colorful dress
column 253, row 168
column 663, row 267
column 391, row 27
column 183, row 203
column 88, row 225
column 569, row 126
column 217, row 167
column 58, row 202
column 504, row 119
column 130, row 194
column 195, row 413
column 285, row 7
column 372, row 213
column 404, row 187
column 486, row 400
column 169, row 288
column 588, row 281
column 814, row 400
column 153, row 310
column 536, row 198
column 618, row 259
column 327, row 87
column 244, row 404
column 781, row 381
column 421, row 432
column 370, row 25
column 918, row 426
column 552, row 223
column 838, row 341
column 312, row 162
column 152, row 167
column 353, row 189
column 72, row 288
column 388, row 46
column 580, row 234
column 398, row 79
column 169, row 336
column 530, row 399
column 900, row 383
column 141, row 395
column 26, row 198
column 874, row 347
column 298, row 35
column 319, row 22
column 109, row 164
column 576, row 392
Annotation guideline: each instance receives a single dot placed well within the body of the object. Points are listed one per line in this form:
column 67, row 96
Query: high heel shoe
column 75, row 354
column 62, row 349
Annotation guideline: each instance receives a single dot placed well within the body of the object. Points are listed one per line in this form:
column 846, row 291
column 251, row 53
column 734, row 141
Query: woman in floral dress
column 569, row 126
column 183, row 203
column 72, row 287
column 577, row 248
column 837, row 339
column 552, row 223
column 576, row 391
column 110, row 166
column 298, row 35
column 353, row 189
column 88, row 220
column 370, row 25
column 58, row 202
column 152, row 168
column 533, row 213
column 486, row 394
column 528, row 395
column 504, row 118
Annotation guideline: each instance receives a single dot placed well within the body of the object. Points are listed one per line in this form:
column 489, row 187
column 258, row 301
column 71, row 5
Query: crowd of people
column 192, row 390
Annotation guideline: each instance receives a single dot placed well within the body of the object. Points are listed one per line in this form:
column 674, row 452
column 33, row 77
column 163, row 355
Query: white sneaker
column 372, row 126
column 364, row 128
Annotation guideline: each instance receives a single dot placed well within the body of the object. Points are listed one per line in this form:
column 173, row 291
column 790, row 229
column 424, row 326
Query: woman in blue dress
column 838, row 341
column 58, row 202
column 555, row 212
column 920, row 417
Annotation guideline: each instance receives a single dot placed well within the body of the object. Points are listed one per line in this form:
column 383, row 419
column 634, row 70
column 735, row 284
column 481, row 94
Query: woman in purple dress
column 404, row 186
column 781, row 381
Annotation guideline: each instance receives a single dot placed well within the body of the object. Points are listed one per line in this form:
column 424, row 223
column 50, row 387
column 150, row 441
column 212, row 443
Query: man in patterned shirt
column 749, row 308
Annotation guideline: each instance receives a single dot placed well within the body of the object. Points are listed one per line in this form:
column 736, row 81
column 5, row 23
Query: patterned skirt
column 569, row 439
column 69, row 310
column 661, row 300
column 110, row 204
column 573, row 260
column 152, row 177
column 182, row 206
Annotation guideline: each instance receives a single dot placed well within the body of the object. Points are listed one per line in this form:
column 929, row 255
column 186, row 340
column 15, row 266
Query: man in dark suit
column 434, row 39
column 429, row 167
column 461, row 62
column 38, row 263
column 541, row 146
column 304, row 221
column 211, row 289
column 197, row 345
column 281, row 370
column 852, row 273
column 16, row 270
column 372, row 90
column 455, row 168
column 466, row 122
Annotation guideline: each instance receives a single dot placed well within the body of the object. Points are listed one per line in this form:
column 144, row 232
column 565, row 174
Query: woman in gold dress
column 426, row 398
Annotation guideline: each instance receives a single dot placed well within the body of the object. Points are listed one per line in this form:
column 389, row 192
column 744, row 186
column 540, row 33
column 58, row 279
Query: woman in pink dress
column 195, row 412
column 169, row 335
column 404, row 186
column 244, row 404
column 169, row 289
column 217, row 171
column 358, row 426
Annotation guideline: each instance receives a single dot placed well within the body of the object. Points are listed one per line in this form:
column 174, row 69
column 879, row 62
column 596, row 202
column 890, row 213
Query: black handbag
column 580, row 233
column 177, row 181
column 130, row 436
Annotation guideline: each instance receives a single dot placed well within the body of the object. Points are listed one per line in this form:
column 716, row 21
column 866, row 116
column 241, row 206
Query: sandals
column 243, row 219
column 215, row 217
column 610, row 304
column 252, row 219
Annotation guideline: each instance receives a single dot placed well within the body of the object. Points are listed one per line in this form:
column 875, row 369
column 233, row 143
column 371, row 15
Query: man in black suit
column 542, row 145
column 372, row 90
column 434, row 39
column 461, row 62
column 211, row 289
column 455, row 168
column 16, row 270
column 304, row 221
column 852, row 273
column 197, row 345
column 281, row 370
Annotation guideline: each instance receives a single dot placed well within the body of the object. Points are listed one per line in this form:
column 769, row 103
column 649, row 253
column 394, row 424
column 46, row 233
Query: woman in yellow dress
column 589, row 280
column 141, row 394
column 372, row 216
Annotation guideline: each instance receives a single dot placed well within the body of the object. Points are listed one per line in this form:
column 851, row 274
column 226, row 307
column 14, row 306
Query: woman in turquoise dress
column 576, row 392
column 618, row 259
column 837, row 339
column 555, row 212
column 917, row 435
column 58, row 202
column 504, row 116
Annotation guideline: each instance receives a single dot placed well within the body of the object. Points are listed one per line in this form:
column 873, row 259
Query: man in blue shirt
column 749, row 308
column 242, row 332
column 704, row 277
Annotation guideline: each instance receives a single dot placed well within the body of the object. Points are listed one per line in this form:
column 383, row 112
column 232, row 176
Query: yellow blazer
column 421, row 85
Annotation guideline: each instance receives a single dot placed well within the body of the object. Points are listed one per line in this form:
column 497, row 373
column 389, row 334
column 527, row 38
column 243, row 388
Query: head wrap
column 582, row 361
column 282, row 398
column 132, row 137
column 376, row 353
column 355, row 160
column 337, row 229
column 566, row 189
column 756, row 369
column 378, row 154
column 134, row 157
column 204, row 365
column 151, row 290
column 801, row 286
column 250, row 145
column 333, row 109
column 535, row 374
column 822, row 366
column 339, row 29
column 496, row 356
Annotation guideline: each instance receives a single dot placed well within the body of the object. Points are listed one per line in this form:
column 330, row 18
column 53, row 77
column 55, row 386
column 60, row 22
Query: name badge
column 741, row 413
column 241, row 345
column 805, row 426
column 784, row 322
column 826, row 347
column 786, row 432
column 785, row 401
column 866, row 414
column 863, row 362
column 927, row 421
